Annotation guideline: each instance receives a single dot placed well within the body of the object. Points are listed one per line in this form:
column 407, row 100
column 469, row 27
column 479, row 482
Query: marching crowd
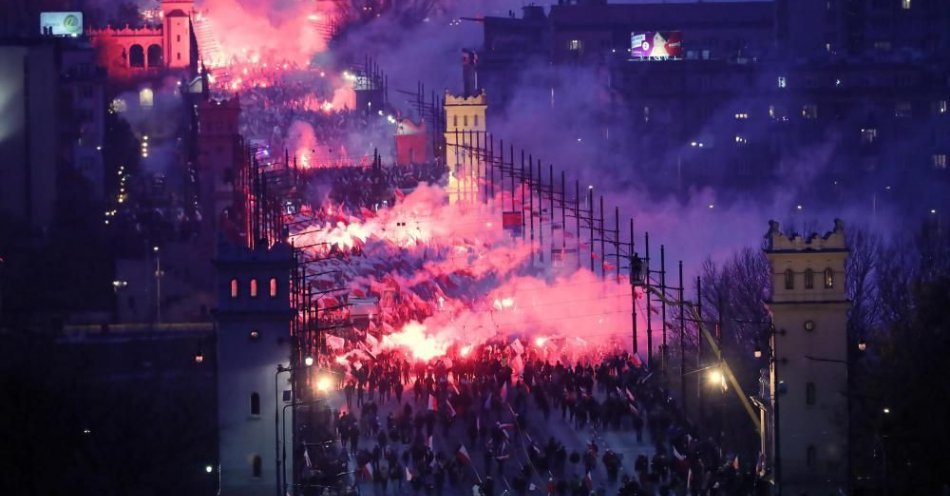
column 484, row 422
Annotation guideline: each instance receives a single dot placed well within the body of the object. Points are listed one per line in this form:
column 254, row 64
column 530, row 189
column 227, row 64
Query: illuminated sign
column 656, row 45
column 61, row 23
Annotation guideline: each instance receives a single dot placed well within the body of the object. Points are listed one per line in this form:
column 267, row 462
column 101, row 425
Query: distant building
column 808, row 415
column 413, row 144
column 137, row 51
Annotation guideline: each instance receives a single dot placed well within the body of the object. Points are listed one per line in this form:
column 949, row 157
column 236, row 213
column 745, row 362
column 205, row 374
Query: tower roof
column 777, row 241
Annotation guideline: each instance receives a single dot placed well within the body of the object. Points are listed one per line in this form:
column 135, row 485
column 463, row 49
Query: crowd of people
column 477, row 422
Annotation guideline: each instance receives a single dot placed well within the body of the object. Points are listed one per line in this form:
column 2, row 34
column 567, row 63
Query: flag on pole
column 504, row 392
column 433, row 403
column 306, row 458
column 463, row 456
column 408, row 475
column 677, row 455
column 429, row 443
column 735, row 463
column 366, row 471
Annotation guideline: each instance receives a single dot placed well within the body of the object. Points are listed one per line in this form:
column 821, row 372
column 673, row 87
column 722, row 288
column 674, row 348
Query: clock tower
column 808, row 411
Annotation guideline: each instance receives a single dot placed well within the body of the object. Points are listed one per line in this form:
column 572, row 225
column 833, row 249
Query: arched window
column 809, row 279
column 810, row 393
column 455, row 121
column 154, row 56
column 273, row 287
column 253, row 291
column 476, row 120
column 137, row 56
column 235, row 288
column 829, row 278
column 255, row 404
column 465, row 120
column 256, row 466
column 789, row 279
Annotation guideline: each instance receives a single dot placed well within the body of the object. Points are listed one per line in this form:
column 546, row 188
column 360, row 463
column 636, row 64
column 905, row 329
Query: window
column 810, row 393
column 882, row 46
column 254, row 335
column 646, row 113
column 179, row 55
column 455, row 121
column 781, row 82
column 253, row 291
column 903, row 110
column 741, row 116
column 136, row 56
column 810, row 111
column 287, row 396
column 811, row 456
column 939, row 161
column 829, row 278
column 465, row 120
column 178, row 38
column 809, row 279
column 789, row 279
column 741, row 140
column 905, row 4
column 940, row 107
column 575, row 45
column 273, row 287
column 256, row 466
column 235, row 288
column 476, row 119
column 255, row 404
column 868, row 135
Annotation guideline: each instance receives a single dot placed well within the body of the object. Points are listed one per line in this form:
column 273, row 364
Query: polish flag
column 366, row 471
column 433, row 403
column 408, row 475
column 504, row 392
column 463, row 455
column 306, row 458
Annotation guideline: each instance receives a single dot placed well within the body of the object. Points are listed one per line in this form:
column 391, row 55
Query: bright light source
column 712, row 206
column 199, row 357
column 887, row 411
column 323, row 384
column 209, row 469
column 717, row 378
column 540, row 340
column 308, row 361
column 465, row 350
column 799, row 207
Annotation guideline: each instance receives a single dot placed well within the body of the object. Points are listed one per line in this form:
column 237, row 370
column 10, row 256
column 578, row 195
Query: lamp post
column 308, row 361
column 158, row 284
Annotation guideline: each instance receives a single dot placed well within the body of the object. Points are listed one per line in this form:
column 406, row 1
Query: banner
column 657, row 45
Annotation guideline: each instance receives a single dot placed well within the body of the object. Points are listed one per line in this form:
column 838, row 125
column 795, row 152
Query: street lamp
column 199, row 357
column 308, row 360
column 862, row 345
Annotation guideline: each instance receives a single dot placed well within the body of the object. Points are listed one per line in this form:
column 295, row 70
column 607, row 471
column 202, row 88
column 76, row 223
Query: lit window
column 905, row 4
column 741, row 140
column 273, row 287
column 254, row 335
column 810, row 111
column 256, row 466
column 829, row 278
column 940, row 107
column 781, row 82
column 789, row 279
column 809, row 279
column 743, row 116
column 575, row 45
column 810, row 393
column 235, row 288
column 903, row 110
column 939, row 161
column 255, row 404
column 868, row 135
column 253, row 291
column 646, row 113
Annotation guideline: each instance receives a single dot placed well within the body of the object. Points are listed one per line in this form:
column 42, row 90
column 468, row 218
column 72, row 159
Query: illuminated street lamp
column 308, row 361
column 324, row 383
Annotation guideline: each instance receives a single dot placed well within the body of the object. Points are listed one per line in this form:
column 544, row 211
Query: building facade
column 137, row 51
column 809, row 408
column 465, row 131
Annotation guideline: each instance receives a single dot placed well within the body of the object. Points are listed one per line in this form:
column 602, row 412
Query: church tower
column 809, row 368
column 253, row 330
column 176, row 16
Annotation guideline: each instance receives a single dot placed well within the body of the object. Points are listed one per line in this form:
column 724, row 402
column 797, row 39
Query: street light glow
column 208, row 469
column 308, row 361
column 717, row 378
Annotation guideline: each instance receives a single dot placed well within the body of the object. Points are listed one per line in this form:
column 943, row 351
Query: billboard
column 61, row 23
column 657, row 45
